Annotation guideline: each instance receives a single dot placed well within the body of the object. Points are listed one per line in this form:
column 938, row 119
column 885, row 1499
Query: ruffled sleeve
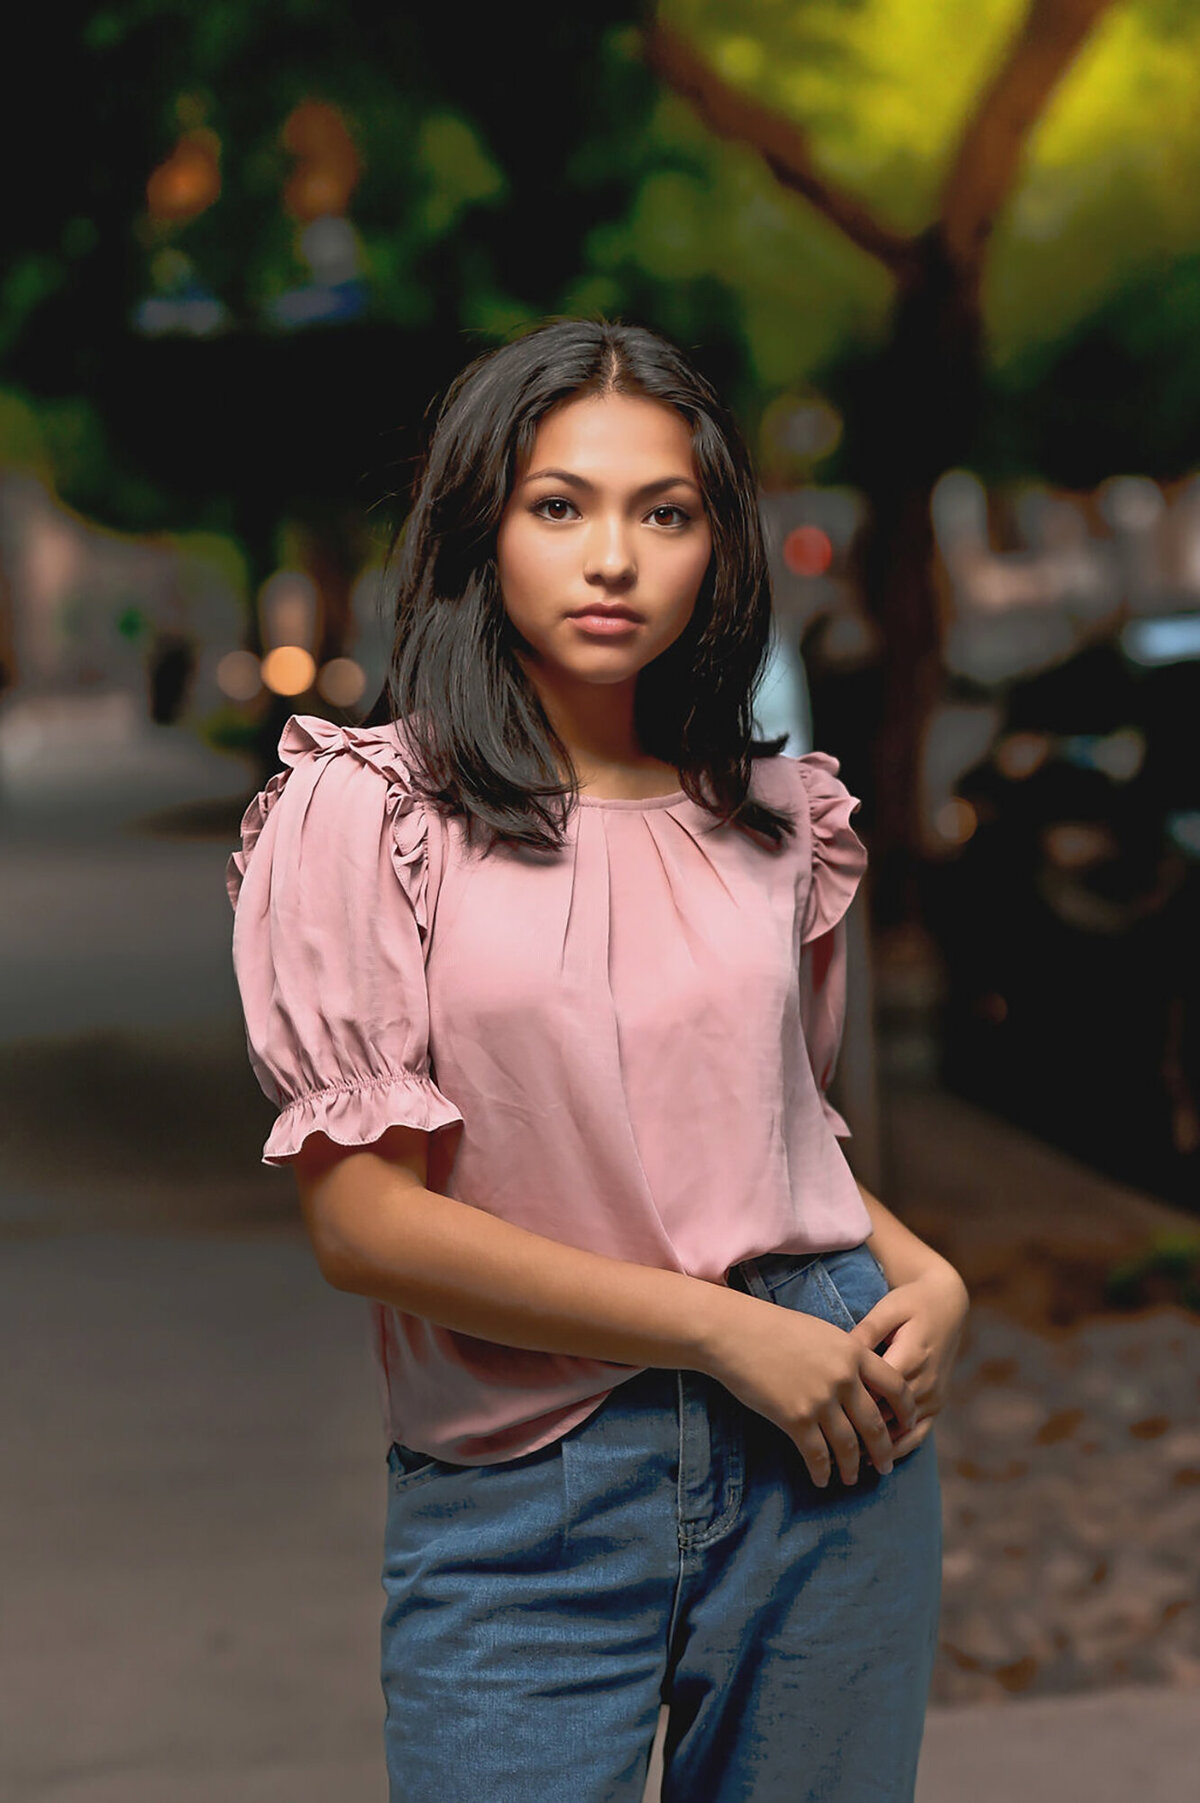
column 837, row 862
column 330, row 891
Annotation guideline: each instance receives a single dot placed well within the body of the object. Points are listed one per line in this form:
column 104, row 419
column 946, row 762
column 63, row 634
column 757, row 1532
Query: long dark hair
column 482, row 745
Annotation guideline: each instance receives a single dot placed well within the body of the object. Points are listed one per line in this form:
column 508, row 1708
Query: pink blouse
column 622, row 1046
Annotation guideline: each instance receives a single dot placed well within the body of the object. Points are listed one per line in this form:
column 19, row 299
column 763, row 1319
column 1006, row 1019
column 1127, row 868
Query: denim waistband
column 760, row 1276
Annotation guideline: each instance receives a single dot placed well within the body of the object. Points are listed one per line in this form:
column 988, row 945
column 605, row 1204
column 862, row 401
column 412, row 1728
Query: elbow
column 339, row 1257
column 342, row 1261
column 351, row 1204
column 339, row 1269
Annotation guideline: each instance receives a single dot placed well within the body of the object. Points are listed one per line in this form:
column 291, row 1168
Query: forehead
column 615, row 436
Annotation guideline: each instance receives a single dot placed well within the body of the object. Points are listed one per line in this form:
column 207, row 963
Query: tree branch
column 994, row 141
column 781, row 144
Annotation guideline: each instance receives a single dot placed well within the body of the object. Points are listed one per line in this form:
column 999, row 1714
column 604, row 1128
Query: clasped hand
column 916, row 1328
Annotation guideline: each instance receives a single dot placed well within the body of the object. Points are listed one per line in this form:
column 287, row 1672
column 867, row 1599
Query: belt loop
column 751, row 1279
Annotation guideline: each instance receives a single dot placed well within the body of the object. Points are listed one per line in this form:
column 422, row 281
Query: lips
column 598, row 611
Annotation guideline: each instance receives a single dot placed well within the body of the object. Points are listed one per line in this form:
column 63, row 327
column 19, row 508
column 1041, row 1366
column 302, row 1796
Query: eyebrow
column 658, row 486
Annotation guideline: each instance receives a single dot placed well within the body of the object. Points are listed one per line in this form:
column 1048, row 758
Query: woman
column 546, row 974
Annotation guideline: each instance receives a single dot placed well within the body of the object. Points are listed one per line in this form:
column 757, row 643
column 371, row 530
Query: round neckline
column 632, row 801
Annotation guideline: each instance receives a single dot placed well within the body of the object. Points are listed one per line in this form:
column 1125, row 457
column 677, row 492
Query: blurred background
column 943, row 257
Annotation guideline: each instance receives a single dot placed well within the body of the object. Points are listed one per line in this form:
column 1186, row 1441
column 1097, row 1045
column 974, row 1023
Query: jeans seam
column 728, row 1515
column 682, row 1527
column 832, row 1293
column 677, row 1598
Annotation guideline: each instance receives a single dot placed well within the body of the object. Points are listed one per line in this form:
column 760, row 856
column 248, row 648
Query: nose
column 609, row 560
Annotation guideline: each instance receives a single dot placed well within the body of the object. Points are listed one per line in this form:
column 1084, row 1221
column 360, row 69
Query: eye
column 553, row 507
column 670, row 515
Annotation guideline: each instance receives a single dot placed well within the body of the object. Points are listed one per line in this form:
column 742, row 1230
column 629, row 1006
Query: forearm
column 429, row 1255
column 900, row 1252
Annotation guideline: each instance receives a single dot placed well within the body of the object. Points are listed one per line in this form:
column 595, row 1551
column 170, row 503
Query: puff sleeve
column 329, row 892
column 836, row 866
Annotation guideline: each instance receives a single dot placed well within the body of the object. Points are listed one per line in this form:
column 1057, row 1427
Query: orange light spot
column 341, row 681
column 807, row 551
column 956, row 821
column 289, row 670
column 1021, row 754
column 188, row 181
column 327, row 164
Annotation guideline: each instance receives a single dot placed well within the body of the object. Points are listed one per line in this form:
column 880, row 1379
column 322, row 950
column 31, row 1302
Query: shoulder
column 307, row 738
column 810, row 786
column 340, row 790
column 831, row 855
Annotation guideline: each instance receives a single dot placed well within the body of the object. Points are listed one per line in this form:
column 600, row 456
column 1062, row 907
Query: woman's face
column 604, row 542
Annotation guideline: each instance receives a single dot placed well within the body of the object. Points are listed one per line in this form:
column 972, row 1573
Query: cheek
column 511, row 565
column 525, row 567
column 688, row 569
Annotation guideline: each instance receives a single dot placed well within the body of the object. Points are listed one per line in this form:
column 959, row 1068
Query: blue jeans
column 670, row 1549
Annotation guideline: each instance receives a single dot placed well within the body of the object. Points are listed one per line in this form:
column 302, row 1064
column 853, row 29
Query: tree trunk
column 920, row 404
column 923, row 400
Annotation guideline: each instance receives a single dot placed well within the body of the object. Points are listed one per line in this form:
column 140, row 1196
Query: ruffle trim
column 308, row 735
column 253, row 821
column 839, row 857
column 357, row 1114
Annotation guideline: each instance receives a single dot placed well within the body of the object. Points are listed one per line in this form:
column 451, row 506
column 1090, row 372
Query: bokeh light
column 341, row 681
column 807, row 551
column 287, row 609
column 1078, row 844
column 289, row 670
column 239, row 675
column 327, row 164
column 956, row 821
column 188, row 181
column 1021, row 754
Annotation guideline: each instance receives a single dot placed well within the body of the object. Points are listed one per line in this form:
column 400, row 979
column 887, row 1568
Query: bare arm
column 378, row 1231
column 902, row 1255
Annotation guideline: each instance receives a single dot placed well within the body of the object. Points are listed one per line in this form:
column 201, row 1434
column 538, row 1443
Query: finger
column 867, row 1417
column 815, row 1452
column 909, row 1442
column 880, row 1321
column 928, row 1403
column 843, row 1442
column 884, row 1380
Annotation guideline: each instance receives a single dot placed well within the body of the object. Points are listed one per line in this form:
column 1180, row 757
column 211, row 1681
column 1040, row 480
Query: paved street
column 190, row 1517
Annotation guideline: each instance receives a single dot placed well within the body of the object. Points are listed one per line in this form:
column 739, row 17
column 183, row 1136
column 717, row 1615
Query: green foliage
column 523, row 168
column 22, row 440
column 459, row 173
column 881, row 87
column 230, row 728
column 29, row 280
column 219, row 551
column 1168, row 1270
column 1120, row 390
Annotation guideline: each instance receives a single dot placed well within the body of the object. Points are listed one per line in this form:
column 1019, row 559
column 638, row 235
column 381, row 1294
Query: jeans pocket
column 854, row 1282
column 408, row 1466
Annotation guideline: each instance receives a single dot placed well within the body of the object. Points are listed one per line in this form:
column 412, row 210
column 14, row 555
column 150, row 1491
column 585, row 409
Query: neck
column 595, row 721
